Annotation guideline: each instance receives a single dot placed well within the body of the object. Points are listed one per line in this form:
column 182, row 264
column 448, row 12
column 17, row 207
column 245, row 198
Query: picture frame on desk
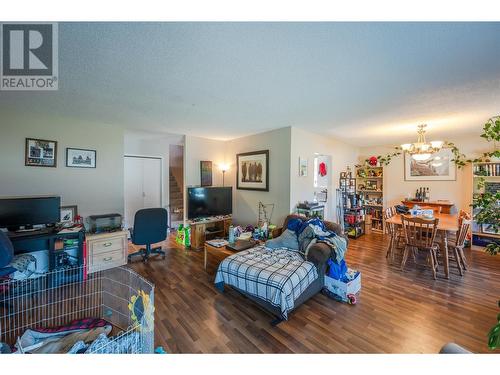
column 68, row 214
column 488, row 228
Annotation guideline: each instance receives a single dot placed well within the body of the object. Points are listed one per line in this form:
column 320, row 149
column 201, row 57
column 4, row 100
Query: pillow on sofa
column 287, row 239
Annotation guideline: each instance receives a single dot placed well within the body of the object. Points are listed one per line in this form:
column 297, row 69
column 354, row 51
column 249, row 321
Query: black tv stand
column 50, row 240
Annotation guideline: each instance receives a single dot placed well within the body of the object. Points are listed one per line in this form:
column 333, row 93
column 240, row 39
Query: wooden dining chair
column 393, row 231
column 420, row 234
column 464, row 225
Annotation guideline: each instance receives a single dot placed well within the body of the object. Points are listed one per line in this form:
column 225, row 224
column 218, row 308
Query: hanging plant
column 491, row 132
column 382, row 160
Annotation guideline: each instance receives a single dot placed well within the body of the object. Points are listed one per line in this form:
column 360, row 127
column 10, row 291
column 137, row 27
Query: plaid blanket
column 278, row 276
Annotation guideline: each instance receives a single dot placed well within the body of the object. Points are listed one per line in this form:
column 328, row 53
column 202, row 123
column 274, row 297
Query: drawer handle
column 107, row 244
column 107, row 259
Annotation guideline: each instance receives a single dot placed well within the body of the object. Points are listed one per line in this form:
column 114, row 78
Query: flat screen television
column 209, row 201
column 29, row 211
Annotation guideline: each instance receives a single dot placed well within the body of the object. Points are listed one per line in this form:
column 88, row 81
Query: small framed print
column 206, row 173
column 80, row 158
column 488, row 228
column 40, row 153
column 68, row 214
column 303, row 167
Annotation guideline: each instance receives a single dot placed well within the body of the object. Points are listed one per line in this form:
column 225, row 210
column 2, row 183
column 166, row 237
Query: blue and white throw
column 314, row 230
column 278, row 276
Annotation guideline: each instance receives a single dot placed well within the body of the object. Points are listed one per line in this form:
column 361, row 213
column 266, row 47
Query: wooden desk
column 446, row 206
column 447, row 224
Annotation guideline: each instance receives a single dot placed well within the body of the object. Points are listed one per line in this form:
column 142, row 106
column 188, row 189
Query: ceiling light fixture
column 422, row 150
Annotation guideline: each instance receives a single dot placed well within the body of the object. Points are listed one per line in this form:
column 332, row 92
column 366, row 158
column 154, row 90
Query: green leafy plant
column 494, row 334
column 487, row 211
column 491, row 132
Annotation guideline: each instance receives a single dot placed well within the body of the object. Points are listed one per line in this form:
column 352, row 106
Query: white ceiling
column 365, row 83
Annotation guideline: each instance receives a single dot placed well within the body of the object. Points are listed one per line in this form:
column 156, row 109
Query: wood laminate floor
column 397, row 312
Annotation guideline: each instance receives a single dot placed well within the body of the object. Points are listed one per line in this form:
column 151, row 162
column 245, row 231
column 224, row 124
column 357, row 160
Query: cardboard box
column 342, row 289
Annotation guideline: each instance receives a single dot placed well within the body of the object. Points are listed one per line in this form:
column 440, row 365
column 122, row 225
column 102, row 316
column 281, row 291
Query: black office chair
column 150, row 226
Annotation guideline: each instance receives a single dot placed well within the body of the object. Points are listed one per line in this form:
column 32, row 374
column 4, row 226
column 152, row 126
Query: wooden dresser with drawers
column 106, row 250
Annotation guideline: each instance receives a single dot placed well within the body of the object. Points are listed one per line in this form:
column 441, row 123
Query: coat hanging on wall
column 322, row 169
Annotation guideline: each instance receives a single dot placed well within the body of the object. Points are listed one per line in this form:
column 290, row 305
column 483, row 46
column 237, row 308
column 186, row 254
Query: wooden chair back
column 463, row 229
column 419, row 232
column 388, row 213
column 465, row 215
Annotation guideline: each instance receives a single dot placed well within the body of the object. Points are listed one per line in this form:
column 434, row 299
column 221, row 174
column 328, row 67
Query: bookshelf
column 485, row 177
column 370, row 187
column 353, row 213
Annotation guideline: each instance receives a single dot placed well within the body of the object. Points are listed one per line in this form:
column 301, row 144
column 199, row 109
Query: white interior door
column 151, row 182
column 143, row 185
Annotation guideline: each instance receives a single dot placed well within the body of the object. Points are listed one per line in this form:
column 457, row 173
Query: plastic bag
column 336, row 270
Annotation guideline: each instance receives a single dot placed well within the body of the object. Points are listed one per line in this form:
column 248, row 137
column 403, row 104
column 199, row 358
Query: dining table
column 447, row 225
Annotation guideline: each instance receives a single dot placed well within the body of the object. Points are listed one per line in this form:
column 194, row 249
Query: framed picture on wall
column 252, row 170
column 302, row 167
column 439, row 167
column 40, row 153
column 80, row 158
column 206, row 173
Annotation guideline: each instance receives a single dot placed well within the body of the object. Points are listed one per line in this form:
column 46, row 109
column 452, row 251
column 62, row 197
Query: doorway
column 143, row 188
column 176, row 184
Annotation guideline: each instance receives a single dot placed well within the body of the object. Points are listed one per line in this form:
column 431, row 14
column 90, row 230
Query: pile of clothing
column 79, row 336
column 300, row 235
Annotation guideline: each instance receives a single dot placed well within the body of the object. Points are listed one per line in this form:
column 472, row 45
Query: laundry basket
column 120, row 296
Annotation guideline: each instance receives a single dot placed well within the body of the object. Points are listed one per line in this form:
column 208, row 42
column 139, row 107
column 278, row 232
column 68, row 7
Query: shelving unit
column 353, row 215
column 369, row 186
column 490, row 173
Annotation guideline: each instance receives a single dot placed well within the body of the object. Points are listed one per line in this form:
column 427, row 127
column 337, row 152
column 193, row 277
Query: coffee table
column 238, row 245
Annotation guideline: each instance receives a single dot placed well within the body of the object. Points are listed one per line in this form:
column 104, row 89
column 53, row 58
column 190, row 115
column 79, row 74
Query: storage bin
column 343, row 289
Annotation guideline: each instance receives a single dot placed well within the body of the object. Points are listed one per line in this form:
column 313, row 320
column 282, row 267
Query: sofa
column 318, row 254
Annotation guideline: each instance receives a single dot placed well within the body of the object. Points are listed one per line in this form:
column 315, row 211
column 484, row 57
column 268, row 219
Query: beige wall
column 306, row 144
column 286, row 188
column 197, row 149
column 246, row 202
column 94, row 191
column 459, row 191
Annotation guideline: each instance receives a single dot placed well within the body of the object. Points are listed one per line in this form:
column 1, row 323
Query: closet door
column 151, row 182
column 133, row 192
column 143, row 187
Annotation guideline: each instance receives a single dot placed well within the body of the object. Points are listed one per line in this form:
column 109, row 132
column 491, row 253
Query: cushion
column 288, row 239
column 6, row 250
column 294, row 224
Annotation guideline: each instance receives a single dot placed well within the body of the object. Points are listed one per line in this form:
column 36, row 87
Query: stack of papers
column 217, row 243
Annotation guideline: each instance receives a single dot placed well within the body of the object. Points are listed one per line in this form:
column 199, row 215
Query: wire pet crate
column 119, row 295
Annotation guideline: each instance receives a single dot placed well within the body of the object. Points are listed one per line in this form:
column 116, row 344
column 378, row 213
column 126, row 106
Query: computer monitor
column 29, row 211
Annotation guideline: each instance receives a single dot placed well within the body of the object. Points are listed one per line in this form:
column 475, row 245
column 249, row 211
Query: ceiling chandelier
column 422, row 150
